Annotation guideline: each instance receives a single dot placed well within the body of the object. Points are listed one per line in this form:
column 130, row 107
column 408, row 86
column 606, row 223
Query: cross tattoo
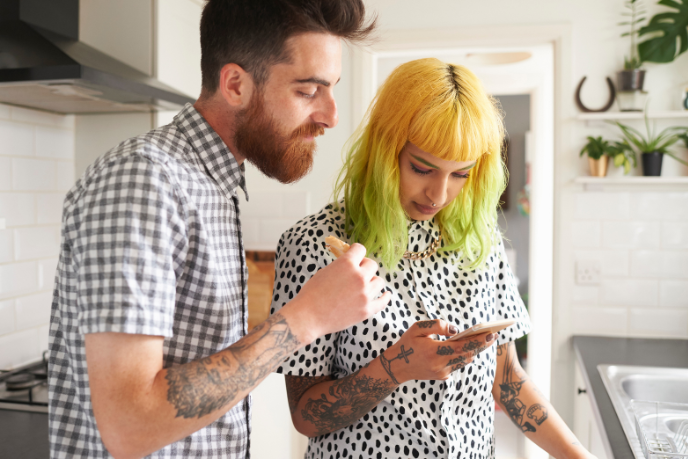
column 403, row 354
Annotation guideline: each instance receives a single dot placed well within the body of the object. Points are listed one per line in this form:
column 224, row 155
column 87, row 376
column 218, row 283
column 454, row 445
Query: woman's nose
column 437, row 191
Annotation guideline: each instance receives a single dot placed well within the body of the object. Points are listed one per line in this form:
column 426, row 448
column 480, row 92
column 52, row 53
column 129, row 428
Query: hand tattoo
column 475, row 347
column 198, row 388
column 510, row 388
column 426, row 323
column 445, row 350
column 457, row 363
column 387, row 363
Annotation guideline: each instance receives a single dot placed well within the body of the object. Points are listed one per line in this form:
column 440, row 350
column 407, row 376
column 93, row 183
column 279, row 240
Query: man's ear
column 235, row 85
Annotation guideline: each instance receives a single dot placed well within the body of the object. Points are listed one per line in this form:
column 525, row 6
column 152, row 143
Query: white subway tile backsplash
column 17, row 209
column 34, row 175
column 660, row 206
column 46, row 273
column 6, row 317
column 263, row 204
column 585, row 294
column 33, row 310
column 630, row 235
column 18, row 278
column 271, row 230
column 673, row 294
column 660, row 323
column 630, row 292
column 5, row 173
column 646, row 263
column 43, row 338
column 6, row 246
column 49, row 207
column 612, row 262
column 65, row 175
column 675, row 264
column 19, row 348
column 296, row 204
column 674, row 235
column 600, row 321
column 586, row 234
column 250, row 227
column 54, row 143
column 18, row 139
column 38, row 117
column 40, row 242
column 602, row 206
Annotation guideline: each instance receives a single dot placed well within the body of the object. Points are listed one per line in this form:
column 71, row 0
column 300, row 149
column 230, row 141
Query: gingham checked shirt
column 151, row 244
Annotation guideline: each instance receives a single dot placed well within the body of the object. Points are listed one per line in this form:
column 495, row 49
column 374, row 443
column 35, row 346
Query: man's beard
column 284, row 157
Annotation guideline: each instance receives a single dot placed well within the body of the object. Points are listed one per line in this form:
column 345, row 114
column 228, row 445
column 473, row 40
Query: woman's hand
column 418, row 356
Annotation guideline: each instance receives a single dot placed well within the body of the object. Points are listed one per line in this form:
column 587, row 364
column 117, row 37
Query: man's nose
column 327, row 115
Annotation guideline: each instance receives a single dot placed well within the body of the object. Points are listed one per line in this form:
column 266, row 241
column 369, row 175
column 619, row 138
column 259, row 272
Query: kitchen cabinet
column 585, row 426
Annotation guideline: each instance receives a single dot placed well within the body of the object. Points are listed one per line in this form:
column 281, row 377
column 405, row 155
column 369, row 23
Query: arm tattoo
column 203, row 386
column 445, row 350
column 298, row 385
column 387, row 363
column 426, row 323
column 349, row 399
column 510, row 388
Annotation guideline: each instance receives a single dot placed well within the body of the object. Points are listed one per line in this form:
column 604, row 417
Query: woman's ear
column 236, row 85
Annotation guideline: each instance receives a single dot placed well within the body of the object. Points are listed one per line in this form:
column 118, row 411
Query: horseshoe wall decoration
column 612, row 96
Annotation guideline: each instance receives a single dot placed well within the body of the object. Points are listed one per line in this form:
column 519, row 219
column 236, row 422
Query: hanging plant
column 668, row 30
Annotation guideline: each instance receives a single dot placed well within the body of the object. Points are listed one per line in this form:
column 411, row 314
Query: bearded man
column 149, row 350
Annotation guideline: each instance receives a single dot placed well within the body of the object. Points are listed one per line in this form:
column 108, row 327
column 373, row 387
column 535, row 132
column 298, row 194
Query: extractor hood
column 44, row 66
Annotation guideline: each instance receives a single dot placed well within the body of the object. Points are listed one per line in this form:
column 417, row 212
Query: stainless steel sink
column 624, row 383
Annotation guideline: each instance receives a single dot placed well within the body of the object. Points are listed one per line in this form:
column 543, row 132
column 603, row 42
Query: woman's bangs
column 452, row 135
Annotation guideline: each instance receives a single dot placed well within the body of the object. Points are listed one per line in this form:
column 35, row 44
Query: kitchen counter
column 594, row 350
column 23, row 435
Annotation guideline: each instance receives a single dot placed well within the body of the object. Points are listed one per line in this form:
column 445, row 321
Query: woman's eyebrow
column 469, row 167
column 424, row 161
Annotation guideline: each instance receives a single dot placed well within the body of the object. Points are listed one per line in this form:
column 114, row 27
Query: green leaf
column 672, row 28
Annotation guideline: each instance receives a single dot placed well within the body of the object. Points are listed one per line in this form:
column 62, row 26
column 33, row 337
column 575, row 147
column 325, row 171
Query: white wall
column 36, row 169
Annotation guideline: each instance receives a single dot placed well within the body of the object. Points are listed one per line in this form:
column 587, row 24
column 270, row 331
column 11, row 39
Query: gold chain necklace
column 425, row 253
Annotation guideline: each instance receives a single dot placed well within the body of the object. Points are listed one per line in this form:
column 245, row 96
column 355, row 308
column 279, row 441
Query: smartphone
column 486, row 327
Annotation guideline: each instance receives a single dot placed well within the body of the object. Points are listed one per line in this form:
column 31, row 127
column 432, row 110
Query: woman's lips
column 427, row 210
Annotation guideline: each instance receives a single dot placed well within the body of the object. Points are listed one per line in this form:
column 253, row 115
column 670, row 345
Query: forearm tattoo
column 349, row 399
column 299, row 385
column 198, row 388
column 510, row 388
column 387, row 363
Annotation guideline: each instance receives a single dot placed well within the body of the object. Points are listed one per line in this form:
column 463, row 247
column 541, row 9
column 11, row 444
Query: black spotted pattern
column 421, row 419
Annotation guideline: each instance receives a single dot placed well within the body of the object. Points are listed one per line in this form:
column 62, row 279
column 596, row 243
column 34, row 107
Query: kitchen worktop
column 595, row 350
column 23, row 435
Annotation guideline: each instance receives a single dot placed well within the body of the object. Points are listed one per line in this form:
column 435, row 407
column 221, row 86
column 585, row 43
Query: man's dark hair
column 252, row 33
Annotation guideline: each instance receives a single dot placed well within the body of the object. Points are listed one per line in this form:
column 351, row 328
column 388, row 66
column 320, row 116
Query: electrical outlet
column 588, row 272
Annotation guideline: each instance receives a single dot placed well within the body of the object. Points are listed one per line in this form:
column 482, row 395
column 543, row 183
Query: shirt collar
column 218, row 161
column 427, row 226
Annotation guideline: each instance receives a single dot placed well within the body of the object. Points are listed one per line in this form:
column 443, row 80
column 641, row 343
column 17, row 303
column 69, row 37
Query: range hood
column 44, row 66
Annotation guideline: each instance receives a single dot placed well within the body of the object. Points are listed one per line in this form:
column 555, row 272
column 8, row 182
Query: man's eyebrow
column 316, row 80
column 425, row 162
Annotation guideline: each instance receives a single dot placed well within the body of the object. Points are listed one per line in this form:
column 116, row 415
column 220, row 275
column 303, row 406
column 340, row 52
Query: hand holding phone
column 485, row 327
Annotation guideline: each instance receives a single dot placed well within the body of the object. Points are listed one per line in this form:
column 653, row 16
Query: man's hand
column 336, row 297
column 418, row 356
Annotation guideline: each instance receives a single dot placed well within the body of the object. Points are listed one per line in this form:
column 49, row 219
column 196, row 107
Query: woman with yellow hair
column 420, row 186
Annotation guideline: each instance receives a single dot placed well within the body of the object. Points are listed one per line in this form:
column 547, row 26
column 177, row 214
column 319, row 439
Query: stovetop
column 25, row 388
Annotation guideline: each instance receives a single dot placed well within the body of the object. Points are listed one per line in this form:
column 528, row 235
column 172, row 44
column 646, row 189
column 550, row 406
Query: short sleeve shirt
column 420, row 419
column 151, row 245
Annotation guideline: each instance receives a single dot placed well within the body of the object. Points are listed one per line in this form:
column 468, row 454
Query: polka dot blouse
column 420, row 419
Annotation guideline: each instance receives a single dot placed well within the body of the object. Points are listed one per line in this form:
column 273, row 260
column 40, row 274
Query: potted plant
column 631, row 78
column 653, row 146
column 600, row 151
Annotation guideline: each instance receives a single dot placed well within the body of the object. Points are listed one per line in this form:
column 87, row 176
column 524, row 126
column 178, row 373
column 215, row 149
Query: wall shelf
column 604, row 116
column 637, row 183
